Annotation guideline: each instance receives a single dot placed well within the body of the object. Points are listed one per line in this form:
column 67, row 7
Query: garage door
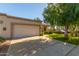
column 25, row 30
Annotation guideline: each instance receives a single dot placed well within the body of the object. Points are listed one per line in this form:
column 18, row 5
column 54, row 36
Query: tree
column 38, row 19
column 62, row 14
column 50, row 14
column 67, row 16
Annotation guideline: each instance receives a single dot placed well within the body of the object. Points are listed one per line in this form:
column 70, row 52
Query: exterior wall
column 6, row 24
column 22, row 21
column 7, row 21
column 0, row 29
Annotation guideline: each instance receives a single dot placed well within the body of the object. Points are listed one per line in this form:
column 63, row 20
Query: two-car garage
column 24, row 30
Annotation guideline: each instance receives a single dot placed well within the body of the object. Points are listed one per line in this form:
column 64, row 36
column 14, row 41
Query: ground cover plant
column 58, row 36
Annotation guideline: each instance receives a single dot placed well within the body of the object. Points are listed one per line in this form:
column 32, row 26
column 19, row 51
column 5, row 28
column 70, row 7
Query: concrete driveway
column 36, row 46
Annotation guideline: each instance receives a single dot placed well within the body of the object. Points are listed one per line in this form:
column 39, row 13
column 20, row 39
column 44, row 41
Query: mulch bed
column 4, row 48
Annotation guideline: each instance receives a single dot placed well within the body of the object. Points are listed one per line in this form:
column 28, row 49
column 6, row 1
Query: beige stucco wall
column 25, row 30
column 0, row 30
column 7, row 23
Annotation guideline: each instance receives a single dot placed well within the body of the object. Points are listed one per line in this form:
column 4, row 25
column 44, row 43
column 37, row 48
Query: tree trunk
column 66, row 32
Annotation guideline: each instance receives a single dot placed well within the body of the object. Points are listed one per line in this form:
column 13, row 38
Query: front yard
column 4, row 45
column 2, row 40
column 72, row 40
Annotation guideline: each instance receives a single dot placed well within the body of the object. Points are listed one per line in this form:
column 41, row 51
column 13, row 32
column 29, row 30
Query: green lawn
column 72, row 40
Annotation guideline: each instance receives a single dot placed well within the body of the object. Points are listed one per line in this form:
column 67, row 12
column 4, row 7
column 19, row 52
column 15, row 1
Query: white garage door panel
column 25, row 30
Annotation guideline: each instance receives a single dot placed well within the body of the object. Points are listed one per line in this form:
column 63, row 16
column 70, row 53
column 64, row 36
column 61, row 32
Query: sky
column 24, row 10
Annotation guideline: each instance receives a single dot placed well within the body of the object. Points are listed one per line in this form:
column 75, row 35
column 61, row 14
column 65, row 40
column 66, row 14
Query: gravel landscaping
column 4, row 47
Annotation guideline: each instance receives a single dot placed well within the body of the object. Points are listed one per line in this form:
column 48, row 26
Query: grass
column 72, row 40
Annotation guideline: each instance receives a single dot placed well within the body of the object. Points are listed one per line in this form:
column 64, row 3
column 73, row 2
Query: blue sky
column 27, row 10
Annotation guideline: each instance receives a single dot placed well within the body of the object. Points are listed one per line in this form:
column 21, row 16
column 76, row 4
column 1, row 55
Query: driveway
column 36, row 46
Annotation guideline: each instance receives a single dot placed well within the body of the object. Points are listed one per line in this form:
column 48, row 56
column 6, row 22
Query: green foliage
column 49, row 31
column 38, row 19
column 61, row 14
column 56, row 35
column 46, row 32
column 50, row 14
column 64, row 14
column 2, row 39
column 72, row 40
column 42, row 33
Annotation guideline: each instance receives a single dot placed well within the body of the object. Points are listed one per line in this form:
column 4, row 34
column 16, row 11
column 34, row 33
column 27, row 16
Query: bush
column 41, row 34
column 48, row 32
column 2, row 39
column 56, row 35
column 74, row 40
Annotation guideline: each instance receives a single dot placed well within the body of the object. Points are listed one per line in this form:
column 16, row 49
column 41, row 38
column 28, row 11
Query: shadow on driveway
column 28, row 47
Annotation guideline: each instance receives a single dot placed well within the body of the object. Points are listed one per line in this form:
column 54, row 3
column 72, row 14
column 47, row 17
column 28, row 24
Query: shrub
column 56, row 35
column 72, row 40
column 47, row 32
column 2, row 39
column 41, row 34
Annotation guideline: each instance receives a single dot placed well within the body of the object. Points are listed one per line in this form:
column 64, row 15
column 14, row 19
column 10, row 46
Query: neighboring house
column 15, row 27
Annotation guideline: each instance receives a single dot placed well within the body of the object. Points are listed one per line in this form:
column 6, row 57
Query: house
column 16, row 27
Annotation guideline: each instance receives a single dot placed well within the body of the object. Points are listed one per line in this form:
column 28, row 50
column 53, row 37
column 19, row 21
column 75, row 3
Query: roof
column 2, row 14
